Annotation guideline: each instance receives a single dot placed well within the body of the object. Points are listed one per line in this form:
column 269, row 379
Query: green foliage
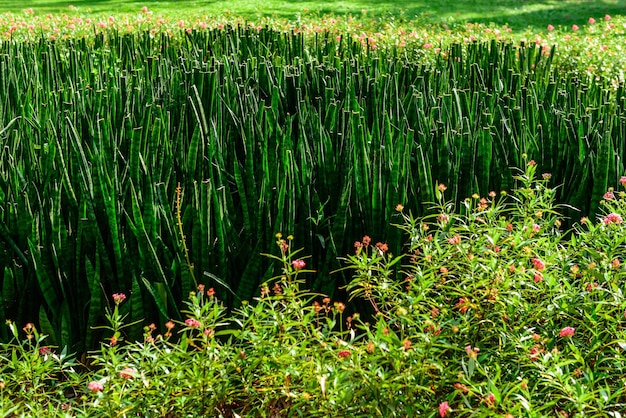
column 148, row 165
column 492, row 310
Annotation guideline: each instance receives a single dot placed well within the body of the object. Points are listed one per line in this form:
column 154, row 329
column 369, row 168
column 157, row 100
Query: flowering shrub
column 459, row 325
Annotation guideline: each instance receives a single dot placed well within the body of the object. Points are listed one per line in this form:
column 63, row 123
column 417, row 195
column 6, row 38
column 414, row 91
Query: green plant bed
column 492, row 310
column 148, row 161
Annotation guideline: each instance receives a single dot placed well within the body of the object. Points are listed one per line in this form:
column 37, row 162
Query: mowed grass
column 517, row 14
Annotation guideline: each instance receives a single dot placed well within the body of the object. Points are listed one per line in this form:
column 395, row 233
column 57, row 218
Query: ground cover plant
column 496, row 311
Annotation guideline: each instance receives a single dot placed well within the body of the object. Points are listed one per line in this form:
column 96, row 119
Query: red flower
column 44, row 351
column 538, row 264
column 535, row 352
column 343, row 354
column 462, row 305
column 567, row 332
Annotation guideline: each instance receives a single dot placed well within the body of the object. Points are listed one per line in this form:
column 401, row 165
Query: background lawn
column 518, row 14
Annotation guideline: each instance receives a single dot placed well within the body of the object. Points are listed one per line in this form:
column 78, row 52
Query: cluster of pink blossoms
column 567, row 332
column 298, row 264
column 118, row 298
column 192, row 323
column 538, row 264
column 612, row 218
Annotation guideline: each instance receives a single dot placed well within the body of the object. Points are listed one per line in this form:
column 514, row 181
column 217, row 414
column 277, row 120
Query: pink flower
column 95, row 386
column 607, row 17
column 128, row 373
column 44, row 351
column 538, row 277
column 535, row 352
column 192, row 323
column 536, row 228
column 343, row 354
column 567, row 332
column 550, row 27
column 427, row 46
column 455, row 240
column 575, row 28
column 538, row 264
column 444, row 408
column 472, row 352
column 591, row 21
column 491, row 399
column 622, row 180
column 118, row 298
column 298, row 264
column 612, row 218
column 609, row 195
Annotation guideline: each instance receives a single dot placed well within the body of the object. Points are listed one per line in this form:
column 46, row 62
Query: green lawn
column 519, row 14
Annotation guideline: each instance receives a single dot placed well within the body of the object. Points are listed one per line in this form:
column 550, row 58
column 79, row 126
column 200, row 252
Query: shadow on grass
column 519, row 14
